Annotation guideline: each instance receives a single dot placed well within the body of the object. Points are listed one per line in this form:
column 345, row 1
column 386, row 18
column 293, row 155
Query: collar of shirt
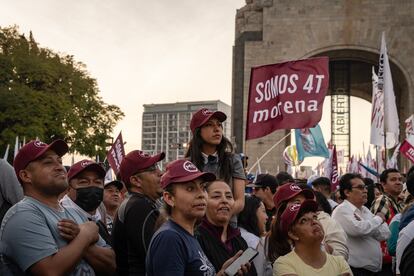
column 207, row 158
column 352, row 206
column 68, row 202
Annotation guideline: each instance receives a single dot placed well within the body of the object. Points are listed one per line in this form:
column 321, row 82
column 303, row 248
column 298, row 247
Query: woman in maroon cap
column 299, row 224
column 334, row 242
column 174, row 250
column 211, row 152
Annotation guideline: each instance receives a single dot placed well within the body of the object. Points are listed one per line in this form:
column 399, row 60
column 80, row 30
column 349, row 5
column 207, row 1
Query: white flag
column 6, row 153
column 16, row 146
column 377, row 113
column 409, row 129
column 391, row 122
column 108, row 176
column 393, row 161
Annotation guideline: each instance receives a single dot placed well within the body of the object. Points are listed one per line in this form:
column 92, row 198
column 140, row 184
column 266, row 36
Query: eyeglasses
column 360, row 187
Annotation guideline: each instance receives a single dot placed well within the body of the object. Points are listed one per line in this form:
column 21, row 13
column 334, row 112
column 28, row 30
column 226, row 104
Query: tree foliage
column 49, row 95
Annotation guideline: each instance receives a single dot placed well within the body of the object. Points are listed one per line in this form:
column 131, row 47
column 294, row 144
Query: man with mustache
column 41, row 235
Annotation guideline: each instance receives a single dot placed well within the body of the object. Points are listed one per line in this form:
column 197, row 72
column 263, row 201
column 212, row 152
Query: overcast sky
column 144, row 52
column 140, row 52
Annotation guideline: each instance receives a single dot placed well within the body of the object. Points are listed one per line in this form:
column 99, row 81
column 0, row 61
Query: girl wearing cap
column 174, row 250
column 299, row 224
column 211, row 152
column 217, row 237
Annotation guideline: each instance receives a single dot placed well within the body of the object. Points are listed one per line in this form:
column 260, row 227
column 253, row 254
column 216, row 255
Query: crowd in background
column 198, row 216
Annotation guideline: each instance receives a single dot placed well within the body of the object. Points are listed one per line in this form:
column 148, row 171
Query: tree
column 49, row 95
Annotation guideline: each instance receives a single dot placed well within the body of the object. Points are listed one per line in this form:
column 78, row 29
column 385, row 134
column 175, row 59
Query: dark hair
column 283, row 177
column 224, row 151
column 370, row 191
column 379, row 187
column 323, row 203
column 322, row 182
column 410, row 183
column 278, row 240
column 384, row 174
column 345, row 183
column 169, row 189
column 410, row 171
column 247, row 218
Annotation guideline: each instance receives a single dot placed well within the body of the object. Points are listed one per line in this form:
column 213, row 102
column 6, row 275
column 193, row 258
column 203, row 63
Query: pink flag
column 116, row 154
column 286, row 95
column 334, row 171
column 408, row 150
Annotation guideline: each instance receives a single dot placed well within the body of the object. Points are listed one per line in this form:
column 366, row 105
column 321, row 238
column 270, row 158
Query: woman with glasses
column 299, row 224
column 174, row 250
column 211, row 152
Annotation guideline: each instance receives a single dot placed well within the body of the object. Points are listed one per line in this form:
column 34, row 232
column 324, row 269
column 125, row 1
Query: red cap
column 289, row 190
column 35, row 149
column 203, row 115
column 80, row 166
column 291, row 213
column 135, row 161
column 183, row 170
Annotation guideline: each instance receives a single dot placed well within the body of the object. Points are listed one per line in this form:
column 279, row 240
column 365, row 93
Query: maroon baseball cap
column 293, row 211
column 289, row 190
column 135, row 161
column 183, row 171
column 203, row 115
column 35, row 149
column 83, row 165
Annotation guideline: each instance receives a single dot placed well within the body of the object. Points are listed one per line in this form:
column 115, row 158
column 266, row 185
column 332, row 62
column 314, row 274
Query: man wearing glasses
column 365, row 230
column 134, row 223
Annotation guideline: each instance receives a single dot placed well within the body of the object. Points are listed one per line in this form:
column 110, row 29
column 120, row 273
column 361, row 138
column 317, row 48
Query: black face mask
column 89, row 198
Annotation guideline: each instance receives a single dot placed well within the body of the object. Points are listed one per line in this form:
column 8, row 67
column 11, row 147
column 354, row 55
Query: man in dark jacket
column 135, row 221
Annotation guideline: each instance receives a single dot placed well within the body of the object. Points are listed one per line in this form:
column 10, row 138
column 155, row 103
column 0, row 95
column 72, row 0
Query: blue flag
column 310, row 142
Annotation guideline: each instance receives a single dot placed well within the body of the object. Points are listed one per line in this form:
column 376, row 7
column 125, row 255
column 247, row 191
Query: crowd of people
column 198, row 216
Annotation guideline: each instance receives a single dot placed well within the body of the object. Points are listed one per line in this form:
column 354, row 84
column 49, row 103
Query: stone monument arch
column 348, row 32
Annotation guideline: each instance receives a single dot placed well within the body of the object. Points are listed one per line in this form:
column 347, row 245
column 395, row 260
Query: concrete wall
column 272, row 31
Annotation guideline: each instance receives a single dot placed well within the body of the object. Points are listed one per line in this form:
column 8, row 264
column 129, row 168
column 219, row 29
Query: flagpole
column 269, row 150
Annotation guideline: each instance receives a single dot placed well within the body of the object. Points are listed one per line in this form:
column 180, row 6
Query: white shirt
column 404, row 238
column 364, row 231
column 251, row 239
column 332, row 203
column 67, row 202
column 334, row 236
column 260, row 261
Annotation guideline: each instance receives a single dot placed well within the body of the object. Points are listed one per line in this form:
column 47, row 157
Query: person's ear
column 292, row 236
column 347, row 192
column 169, row 199
column 25, row 176
column 135, row 181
